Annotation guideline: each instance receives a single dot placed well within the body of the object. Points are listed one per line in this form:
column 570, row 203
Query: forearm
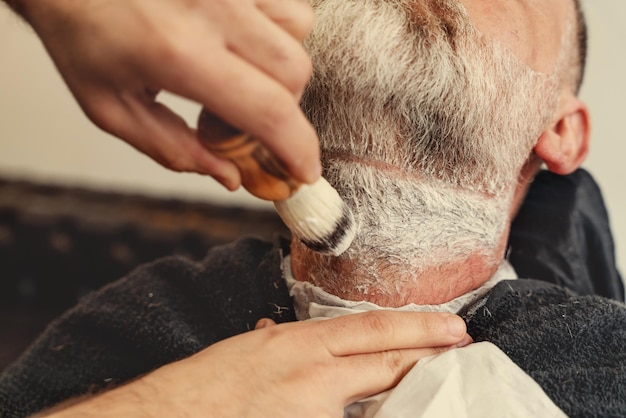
column 130, row 400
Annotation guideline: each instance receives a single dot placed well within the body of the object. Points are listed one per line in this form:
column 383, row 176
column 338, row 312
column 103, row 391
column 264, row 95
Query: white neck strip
column 311, row 301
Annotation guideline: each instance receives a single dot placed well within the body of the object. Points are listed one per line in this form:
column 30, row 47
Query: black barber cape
column 567, row 338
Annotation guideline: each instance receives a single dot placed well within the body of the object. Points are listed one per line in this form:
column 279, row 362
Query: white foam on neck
column 311, row 301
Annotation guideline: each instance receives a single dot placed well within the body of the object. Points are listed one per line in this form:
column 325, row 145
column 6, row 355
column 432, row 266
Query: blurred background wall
column 45, row 137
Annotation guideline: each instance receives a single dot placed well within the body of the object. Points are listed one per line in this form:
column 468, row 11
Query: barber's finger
column 171, row 142
column 264, row 323
column 294, row 16
column 255, row 103
column 367, row 374
column 160, row 133
column 266, row 46
column 384, row 330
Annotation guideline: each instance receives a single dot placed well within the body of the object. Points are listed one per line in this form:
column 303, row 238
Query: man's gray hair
column 424, row 126
column 580, row 51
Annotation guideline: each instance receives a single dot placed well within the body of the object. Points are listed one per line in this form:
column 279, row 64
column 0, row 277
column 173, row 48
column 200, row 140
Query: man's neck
column 389, row 288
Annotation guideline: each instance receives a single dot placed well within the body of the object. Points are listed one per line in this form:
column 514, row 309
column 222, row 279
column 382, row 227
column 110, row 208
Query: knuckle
column 277, row 112
column 431, row 325
column 177, row 162
column 378, row 325
column 294, row 68
column 101, row 120
column 394, row 361
column 174, row 49
column 100, row 113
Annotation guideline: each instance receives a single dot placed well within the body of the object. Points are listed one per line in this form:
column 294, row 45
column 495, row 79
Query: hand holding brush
column 314, row 213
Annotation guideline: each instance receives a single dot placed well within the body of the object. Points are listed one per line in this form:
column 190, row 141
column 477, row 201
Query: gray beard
column 422, row 133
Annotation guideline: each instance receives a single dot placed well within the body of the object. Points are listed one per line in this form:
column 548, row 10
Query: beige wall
column 43, row 134
column 605, row 92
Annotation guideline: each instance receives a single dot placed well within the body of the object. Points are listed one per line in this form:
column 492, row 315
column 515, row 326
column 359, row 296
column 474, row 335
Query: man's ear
column 564, row 146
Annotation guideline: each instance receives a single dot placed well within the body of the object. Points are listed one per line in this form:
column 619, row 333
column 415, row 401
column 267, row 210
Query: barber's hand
column 241, row 59
column 302, row 369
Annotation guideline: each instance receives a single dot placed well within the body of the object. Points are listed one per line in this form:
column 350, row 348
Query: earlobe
column 564, row 146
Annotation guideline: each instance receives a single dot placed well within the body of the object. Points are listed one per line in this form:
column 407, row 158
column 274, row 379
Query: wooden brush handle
column 261, row 173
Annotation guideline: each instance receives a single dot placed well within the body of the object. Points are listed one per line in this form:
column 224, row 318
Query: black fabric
column 573, row 346
column 562, row 235
column 174, row 307
column 160, row 313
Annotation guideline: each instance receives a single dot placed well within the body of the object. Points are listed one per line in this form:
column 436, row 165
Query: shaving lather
column 314, row 213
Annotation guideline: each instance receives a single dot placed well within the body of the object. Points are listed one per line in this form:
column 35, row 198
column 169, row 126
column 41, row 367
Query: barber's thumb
column 264, row 323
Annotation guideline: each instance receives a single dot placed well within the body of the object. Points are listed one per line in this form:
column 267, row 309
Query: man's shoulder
column 159, row 313
column 530, row 294
column 572, row 345
column 525, row 306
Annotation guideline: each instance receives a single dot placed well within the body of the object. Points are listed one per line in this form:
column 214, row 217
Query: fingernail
column 467, row 340
column 456, row 326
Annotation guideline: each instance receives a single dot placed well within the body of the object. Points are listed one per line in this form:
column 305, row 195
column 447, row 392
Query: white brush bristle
column 318, row 216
